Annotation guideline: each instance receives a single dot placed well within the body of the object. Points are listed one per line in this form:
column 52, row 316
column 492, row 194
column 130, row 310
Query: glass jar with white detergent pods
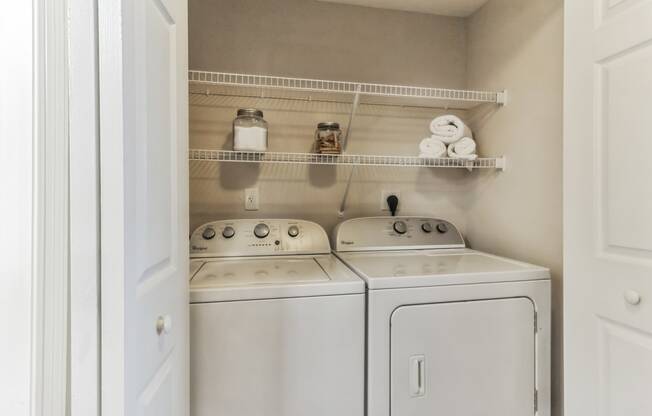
column 250, row 131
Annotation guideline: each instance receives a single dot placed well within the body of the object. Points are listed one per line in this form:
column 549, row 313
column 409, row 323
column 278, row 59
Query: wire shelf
column 456, row 98
column 344, row 159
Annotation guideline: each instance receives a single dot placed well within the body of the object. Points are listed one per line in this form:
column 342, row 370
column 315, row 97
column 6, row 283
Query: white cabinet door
column 608, row 208
column 464, row 358
column 144, row 206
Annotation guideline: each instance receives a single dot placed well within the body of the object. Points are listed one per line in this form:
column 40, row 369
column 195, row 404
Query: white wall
column 518, row 45
column 16, row 207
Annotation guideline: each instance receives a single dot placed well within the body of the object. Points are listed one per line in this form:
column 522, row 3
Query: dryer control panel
column 258, row 237
column 395, row 233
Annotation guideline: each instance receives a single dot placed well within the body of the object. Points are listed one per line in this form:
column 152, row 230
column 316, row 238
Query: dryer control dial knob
column 426, row 227
column 261, row 230
column 293, row 231
column 208, row 234
column 442, row 228
column 400, row 227
column 228, row 232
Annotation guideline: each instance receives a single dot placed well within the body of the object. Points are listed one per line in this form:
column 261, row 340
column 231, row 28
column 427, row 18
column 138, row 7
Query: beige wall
column 508, row 44
column 518, row 45
column 319, row 40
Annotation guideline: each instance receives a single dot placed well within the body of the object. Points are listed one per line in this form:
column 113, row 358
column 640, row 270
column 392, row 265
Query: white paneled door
column 144, row 206
column 608, row 208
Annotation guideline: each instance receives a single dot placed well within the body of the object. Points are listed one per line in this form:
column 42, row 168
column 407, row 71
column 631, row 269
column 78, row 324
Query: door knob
column 163, row 324
column 632, row 297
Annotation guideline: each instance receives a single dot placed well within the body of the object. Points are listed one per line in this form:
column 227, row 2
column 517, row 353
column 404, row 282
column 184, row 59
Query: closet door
column 144, row 206
column 464, row 358
column 608, row 208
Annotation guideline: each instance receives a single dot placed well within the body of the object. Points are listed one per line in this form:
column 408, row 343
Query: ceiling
column 459, row 8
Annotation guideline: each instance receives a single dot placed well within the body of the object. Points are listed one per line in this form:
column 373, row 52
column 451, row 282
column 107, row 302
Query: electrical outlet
column 251, row 199
column 383, row 199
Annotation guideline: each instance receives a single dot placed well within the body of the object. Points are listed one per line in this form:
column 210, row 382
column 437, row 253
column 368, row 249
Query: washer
column 276, row 322
column 450, row 331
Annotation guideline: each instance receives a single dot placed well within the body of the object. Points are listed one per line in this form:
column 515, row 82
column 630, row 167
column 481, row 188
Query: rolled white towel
column 449, row 129
column 432, row 148
column 463, row 149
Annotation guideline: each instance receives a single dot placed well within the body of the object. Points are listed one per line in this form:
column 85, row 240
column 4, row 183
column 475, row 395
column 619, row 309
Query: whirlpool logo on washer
column 347, row 243
column 198, row 248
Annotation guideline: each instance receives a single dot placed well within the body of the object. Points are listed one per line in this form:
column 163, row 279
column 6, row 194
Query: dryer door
column 472, row 358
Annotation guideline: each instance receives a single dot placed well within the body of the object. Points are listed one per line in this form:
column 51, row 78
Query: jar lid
column 328, row 125
column 251, row 112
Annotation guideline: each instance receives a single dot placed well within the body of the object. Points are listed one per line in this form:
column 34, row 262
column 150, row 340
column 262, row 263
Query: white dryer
column 450, row 331
column 276, row 322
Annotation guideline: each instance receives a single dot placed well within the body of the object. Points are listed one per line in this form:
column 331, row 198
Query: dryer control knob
column 293, row 231
column 400, row 227
column 208, row 233
column 426, row 227
column 228, row 232
column 261, row 230
column 442, row 228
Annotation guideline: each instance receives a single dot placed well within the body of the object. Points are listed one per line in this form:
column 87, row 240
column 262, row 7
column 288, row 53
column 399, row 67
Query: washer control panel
column 262, row 237
column 395, row 233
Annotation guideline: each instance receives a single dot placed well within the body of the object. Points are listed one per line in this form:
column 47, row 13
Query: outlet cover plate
column 251, row 199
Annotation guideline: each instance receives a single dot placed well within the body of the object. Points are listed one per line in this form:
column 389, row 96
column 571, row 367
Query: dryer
column 276, row 322
column 450, row 331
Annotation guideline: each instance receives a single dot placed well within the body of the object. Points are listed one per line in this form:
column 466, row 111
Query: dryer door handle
column 417, row 375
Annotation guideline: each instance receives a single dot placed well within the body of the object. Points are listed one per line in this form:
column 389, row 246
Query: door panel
column 607, row 205
column 464, row 358
column 144, row 204
column 623, row 149
column 625, row 370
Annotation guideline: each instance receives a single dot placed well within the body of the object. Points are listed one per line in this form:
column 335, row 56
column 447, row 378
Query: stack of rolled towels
column 450, row 138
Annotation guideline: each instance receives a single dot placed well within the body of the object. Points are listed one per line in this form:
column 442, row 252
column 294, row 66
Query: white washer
column 276, row 322
column 450, row 331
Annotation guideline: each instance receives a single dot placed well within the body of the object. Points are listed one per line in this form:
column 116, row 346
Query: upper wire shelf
column 344, row 159
column 374, row 93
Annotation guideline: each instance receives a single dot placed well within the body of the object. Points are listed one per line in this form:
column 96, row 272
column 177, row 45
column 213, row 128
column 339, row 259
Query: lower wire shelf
column 344, row 159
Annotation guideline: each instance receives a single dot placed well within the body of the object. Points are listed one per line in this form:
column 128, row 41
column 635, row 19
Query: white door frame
column 34, row 178
column 85, row 333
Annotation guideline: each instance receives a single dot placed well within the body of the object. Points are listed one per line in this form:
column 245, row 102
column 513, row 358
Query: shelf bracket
column 347, row 135
column 354, row 108
column 345, row 197
column 501, row 163
column 501, row 98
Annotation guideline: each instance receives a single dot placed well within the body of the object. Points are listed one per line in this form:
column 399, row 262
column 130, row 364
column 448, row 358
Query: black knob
column 426, row 227
column 442, row 228
column 228, row 232
column 208, row 233
column 400, row 227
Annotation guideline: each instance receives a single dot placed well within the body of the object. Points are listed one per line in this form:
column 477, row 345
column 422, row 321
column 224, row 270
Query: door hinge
column 536, row 322
column 536, row 401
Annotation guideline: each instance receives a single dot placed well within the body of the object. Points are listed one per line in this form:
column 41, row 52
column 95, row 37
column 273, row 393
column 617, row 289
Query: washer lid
column 420, row 268
column 244, row 278
column 224, row 273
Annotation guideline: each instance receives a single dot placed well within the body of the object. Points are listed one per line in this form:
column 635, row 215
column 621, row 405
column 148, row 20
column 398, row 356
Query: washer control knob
column 400, row 227
column 228, row 232
column 442, row 227
column 426, row 227
column 208, row 233
column 261, row 230
column 293, row 231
